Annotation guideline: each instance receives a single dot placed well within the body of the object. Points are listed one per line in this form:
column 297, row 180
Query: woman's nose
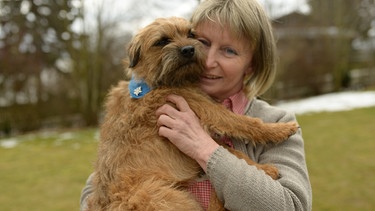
column 211, row 58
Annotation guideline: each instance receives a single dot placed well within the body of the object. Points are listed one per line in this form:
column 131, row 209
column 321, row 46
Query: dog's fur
column 136, row 169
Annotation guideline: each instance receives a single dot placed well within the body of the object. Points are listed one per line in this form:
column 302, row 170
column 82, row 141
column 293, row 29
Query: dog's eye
column 192, row 35
column 162, row 42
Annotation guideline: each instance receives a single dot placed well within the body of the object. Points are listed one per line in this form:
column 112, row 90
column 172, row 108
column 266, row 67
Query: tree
column 343, row 17
column 316, row 49
column 35, row 37
column 97, row 64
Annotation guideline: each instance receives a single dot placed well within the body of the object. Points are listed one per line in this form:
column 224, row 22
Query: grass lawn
column 340, row 150
column 46, row 171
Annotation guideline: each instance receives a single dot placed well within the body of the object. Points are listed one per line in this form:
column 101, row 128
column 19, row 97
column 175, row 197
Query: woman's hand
column 182, row 127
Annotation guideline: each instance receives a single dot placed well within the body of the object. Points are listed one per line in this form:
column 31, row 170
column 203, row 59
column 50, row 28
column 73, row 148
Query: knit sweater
column 243, row 187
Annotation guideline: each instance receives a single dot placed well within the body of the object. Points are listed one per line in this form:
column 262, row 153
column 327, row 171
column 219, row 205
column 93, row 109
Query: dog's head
column 166, row 53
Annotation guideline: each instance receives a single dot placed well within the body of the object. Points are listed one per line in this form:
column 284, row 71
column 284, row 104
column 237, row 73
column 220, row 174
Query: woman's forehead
column 208, row 27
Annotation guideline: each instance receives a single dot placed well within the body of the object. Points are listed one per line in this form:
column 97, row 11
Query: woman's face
column 228, row 61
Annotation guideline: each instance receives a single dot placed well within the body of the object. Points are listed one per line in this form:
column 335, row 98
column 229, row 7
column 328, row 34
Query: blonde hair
column 246, row 19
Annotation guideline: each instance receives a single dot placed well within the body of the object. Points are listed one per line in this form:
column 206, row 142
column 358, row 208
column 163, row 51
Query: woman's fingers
column 179, row 101
column 181, row 127
column 164, row 120
column 169, row 110
column 173, row 120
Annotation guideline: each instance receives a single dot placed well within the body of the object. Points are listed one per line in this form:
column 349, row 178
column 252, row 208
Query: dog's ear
column 134, row 53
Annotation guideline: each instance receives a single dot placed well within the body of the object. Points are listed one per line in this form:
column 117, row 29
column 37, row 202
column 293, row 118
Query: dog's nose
column 187, row 51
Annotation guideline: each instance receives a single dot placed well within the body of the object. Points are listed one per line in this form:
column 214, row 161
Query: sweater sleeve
column 86, row 191
column 244, row 187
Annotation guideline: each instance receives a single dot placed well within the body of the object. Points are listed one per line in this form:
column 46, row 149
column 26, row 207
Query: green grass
column 340, row 150
column 46, row 171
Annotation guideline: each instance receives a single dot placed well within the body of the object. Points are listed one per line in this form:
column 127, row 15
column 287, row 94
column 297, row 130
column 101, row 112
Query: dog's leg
column 247, row 128
column 267, row 168
column 215, row 204
column 224, row 122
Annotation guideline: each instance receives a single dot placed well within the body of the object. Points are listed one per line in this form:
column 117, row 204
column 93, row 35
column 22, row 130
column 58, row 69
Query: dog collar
column 138, row 88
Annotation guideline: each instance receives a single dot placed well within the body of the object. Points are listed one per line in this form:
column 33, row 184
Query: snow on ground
column 9, row 143
column 341, row 101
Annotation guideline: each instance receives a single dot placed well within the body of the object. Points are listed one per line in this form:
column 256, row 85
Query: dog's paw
column 286, row 128
column 281, row 131
column 293, row 128
column 270, row 170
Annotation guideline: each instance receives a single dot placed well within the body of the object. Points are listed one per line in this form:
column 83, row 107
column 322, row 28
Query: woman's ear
column 249, row 70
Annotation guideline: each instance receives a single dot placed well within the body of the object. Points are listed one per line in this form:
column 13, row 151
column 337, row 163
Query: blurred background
column 59, row 58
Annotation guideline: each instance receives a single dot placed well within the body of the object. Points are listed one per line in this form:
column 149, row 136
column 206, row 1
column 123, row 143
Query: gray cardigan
column 243, row 187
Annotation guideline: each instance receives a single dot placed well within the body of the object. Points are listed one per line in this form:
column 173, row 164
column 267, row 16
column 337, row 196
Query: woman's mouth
column 211, row 77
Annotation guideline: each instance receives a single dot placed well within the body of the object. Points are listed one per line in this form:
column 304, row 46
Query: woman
column 240, row 66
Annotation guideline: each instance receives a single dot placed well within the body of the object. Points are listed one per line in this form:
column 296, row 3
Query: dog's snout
column 187, row 51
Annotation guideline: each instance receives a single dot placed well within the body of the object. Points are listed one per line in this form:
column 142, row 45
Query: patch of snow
column 341, row 101
column 66, row 136
column 9, row 143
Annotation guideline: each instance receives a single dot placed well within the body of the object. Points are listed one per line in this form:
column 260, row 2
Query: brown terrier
column 136, row 169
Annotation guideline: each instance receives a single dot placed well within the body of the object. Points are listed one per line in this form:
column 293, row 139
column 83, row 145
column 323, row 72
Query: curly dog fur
column 136, row 169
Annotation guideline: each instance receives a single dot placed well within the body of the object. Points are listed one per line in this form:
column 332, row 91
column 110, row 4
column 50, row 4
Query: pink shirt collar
column 237, row 102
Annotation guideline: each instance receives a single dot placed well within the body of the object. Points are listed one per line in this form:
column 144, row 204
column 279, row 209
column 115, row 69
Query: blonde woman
column 240, row 66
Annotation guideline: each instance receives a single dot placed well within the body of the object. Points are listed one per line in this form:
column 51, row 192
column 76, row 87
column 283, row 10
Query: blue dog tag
column 138, row 88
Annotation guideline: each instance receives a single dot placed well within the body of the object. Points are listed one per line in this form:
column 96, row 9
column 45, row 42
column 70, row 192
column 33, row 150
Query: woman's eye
column 204, row 42
column 230, row 51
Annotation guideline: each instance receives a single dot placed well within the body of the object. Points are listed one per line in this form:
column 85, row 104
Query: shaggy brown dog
column 136, row 169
